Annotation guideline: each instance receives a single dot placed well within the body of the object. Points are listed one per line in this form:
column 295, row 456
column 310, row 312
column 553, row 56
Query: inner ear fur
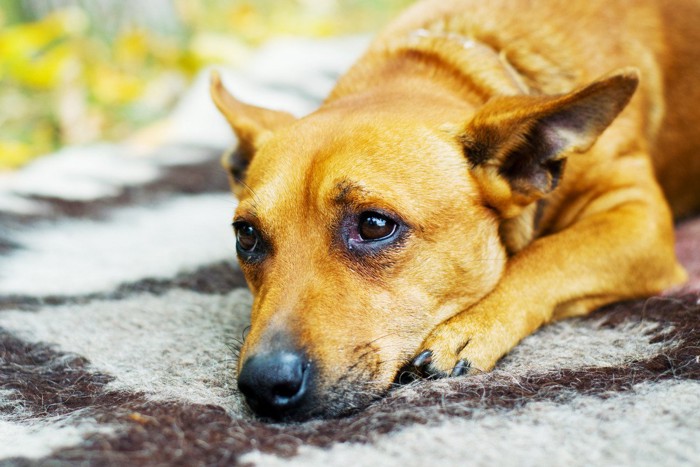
column 518, row 145
column 252, row 125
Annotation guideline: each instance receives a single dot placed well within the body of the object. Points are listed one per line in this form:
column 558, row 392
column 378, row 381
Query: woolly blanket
column 121, row 309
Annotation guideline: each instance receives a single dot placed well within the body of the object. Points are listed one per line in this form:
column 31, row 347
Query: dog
column 485, row 168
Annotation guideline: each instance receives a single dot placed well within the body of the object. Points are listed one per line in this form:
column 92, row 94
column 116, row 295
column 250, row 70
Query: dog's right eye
column 247, row 238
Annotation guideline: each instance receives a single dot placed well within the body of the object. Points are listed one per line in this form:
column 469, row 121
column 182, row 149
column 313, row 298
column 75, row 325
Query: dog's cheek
column 253, row 275
column 351, row 336
column 456, row 268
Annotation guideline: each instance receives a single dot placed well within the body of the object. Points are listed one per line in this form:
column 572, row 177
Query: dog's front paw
column 458, row 347
column 444, row 357
column 424, row 366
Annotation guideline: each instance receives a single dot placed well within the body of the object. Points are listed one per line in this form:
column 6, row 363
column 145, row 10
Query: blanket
column 122, row 309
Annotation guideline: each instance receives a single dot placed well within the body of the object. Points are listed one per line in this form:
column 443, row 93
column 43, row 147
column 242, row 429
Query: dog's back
column 676, row 151
column 557, row 45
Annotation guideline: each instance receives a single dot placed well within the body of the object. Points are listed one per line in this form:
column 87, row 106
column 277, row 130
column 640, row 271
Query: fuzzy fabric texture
column 121, row 309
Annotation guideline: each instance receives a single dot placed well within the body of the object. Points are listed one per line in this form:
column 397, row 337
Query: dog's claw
column 461, row 368
column 422, row 363
column 423, row 358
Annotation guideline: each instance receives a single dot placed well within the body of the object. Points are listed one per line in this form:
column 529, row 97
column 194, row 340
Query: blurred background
column 79, row 71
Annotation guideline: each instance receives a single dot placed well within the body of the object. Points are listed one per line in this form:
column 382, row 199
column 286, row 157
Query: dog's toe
column 423, row 359
column 424, row 366
column 461, row 368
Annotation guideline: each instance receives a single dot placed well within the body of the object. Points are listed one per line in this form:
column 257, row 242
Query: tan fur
column 427, row 125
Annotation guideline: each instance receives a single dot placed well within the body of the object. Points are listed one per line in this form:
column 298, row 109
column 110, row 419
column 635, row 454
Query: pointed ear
column 518, row 145
column 252, row 126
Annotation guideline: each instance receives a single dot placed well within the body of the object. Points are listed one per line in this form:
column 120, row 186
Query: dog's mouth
column 339, row 401
column 299, row 394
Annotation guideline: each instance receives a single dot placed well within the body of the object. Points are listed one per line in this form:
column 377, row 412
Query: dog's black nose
column 276, row 383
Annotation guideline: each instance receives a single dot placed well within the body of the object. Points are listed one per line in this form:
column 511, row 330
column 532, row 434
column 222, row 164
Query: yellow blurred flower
column 14, row 154
column 112, row 86
column 131, row 48
column 36, row 54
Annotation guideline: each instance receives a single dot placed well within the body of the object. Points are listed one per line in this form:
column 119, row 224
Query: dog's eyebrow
column 346, row 192
column 249, row 210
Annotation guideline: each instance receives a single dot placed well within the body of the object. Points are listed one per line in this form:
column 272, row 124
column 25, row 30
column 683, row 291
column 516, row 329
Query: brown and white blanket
column 121, row 309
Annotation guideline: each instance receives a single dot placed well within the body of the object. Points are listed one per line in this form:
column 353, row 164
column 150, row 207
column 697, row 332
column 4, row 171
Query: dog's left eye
column 369, row 233
column 374, row 226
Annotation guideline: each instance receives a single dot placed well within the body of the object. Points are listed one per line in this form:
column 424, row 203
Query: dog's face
column 356, row 243
column 358, row 232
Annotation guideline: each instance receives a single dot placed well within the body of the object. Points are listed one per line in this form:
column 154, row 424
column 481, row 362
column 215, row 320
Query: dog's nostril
column 287, row 388
column 274, row 383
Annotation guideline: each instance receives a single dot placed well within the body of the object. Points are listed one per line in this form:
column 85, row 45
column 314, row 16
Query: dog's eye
column 247, row 238
column 374, row 226
column 373, row 233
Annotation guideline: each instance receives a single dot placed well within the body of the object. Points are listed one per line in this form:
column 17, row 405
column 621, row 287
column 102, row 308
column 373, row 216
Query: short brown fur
column 535, row 173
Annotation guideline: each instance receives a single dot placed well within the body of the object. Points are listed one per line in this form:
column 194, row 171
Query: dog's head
column 364, row 225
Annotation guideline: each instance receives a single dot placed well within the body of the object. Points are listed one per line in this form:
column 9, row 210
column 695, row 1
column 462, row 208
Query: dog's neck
column 470, row 69
column 480, row 61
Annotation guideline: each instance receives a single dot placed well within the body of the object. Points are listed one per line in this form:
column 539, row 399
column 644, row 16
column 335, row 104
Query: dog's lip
column 341, row 399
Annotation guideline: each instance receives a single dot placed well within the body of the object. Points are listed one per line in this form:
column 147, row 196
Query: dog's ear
column 252, row 126
column 517, row 145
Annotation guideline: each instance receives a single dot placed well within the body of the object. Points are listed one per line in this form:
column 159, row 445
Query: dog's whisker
column 254, row 195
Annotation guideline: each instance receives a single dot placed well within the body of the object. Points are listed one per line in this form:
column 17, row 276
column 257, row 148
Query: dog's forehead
column 318, row 163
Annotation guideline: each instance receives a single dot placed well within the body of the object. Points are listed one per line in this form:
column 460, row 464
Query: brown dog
column 485, row 168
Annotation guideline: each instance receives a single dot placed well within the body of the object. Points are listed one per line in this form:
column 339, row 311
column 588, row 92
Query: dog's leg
column 621, row 247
